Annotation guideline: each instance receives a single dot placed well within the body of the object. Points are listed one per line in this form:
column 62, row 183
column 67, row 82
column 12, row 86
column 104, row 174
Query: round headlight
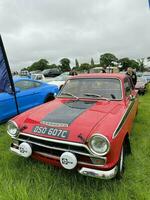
column 12, row 128
column 99, row 144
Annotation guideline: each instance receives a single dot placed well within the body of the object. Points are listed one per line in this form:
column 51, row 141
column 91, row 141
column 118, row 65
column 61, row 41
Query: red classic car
column 86, row 127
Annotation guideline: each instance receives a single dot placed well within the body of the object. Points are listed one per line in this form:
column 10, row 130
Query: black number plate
column 59, row 133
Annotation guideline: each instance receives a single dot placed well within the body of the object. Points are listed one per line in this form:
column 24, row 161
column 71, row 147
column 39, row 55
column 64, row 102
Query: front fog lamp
column 99, row 145
column 12, row 128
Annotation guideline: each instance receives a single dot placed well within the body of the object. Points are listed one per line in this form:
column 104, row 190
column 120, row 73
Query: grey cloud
column 53, row 29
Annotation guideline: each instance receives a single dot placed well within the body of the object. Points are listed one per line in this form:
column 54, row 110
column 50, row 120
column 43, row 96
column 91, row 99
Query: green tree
column 24, row 69
column 125, row 63
column 85, row 66
column 141, row 64
column 65, row 64
column 39, row 65
column 52, row 66
column 97, row 65
column 76, row 63
column 135, row 65
column 107, row 59
column 92, row 62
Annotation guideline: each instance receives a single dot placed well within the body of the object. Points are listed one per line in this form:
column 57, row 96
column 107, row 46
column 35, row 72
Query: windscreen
column 93, row 88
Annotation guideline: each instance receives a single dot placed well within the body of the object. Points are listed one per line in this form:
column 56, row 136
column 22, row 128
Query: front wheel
column 50, row 97
column 121, row 163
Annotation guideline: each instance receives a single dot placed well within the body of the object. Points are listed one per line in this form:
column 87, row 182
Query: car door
column 7, row 106
column 29, row 94
column 131, row 101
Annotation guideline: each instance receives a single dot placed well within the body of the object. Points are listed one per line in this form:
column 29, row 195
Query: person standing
column 103, row 70
column 132, row 74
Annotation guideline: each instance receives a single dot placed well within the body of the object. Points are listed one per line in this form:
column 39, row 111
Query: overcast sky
column 53, row 29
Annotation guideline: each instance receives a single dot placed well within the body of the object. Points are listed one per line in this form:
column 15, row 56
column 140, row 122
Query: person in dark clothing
column 103, row 70
column 132, row 74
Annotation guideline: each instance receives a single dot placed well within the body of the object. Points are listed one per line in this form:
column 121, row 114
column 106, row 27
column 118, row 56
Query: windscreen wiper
column 96, row 95
column 69, row 94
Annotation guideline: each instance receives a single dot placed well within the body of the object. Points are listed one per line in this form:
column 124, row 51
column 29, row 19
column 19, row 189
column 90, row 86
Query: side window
column 25, row 85
column 39, row 77
column 37, row 84
column 127, row 87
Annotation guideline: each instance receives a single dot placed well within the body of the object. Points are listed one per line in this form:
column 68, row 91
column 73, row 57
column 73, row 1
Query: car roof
column 101, row 75
column 23, row 79
column 146, row 73
column 37, row 74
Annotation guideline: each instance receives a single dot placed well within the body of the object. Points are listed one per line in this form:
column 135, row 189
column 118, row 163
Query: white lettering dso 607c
column 51, row 131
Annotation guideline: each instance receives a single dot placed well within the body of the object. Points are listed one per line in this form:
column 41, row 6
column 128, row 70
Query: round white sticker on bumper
column 68, row 160
column 25, row 150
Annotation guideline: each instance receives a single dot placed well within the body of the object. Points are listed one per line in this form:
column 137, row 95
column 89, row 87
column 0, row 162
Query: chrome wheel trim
column 121, row 160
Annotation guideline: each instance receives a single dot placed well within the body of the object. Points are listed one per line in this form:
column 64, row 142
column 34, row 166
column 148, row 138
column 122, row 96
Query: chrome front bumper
column 99, row 173
column 84, row 171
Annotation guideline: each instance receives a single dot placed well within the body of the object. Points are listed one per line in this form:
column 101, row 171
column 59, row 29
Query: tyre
column 50, row 97
column 121, row 163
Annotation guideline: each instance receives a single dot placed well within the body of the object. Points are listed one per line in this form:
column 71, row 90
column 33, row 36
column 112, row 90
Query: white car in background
column 39, row 77
column 59, row 80
column 146, row 75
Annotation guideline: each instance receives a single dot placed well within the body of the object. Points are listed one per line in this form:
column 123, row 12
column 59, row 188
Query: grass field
column 22, row 179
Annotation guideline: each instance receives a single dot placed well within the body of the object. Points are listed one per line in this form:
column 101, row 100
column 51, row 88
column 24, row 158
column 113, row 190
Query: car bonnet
column 75, row 116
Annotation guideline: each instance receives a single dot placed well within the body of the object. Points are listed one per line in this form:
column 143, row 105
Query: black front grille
column 52, row 144
column 50, row 148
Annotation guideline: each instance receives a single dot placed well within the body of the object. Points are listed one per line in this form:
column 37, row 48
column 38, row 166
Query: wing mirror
column 131, row 97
